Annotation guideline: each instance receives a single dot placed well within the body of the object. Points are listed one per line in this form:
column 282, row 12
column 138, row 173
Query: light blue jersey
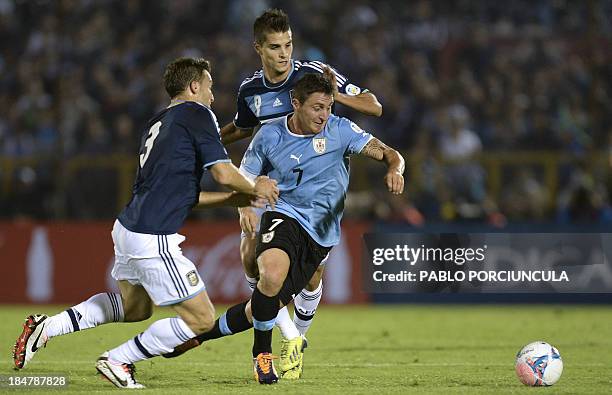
column 312, row 171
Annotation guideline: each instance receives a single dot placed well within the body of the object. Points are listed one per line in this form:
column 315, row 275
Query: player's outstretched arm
column 365, row 102
column 230, row 133
column 231, row 199
column 228, row 175
column 394, row 178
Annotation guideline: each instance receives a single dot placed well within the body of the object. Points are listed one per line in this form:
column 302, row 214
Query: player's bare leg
column 248, row 259
column 195, row 316
column 291, row 342
column 137, row 305
column 132, row 304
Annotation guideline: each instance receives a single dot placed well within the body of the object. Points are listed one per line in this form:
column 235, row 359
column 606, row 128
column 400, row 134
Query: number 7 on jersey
column 275, row 223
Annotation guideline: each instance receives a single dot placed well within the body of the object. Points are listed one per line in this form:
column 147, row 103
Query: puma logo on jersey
column 277, row 103
column 296, row 158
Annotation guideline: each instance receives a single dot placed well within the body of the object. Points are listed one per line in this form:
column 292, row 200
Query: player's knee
column 138, row 313
column 271, row 280
column 273, row 266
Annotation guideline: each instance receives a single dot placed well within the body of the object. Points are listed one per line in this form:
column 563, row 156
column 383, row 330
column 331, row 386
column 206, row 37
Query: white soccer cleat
column 120, row 374
column 32, row 338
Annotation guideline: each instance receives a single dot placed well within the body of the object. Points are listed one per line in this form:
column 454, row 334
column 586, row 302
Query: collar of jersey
column 274, row 86
column 179, row 102
column 286, row 118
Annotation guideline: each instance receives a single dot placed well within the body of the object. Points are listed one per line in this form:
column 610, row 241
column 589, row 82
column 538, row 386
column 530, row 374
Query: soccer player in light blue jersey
column 263, row 98
column 307, row 154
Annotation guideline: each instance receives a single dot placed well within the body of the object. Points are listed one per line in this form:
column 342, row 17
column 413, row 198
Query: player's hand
column 266, row 188
column 395, row 182
column 328, row 73
column 248, row 222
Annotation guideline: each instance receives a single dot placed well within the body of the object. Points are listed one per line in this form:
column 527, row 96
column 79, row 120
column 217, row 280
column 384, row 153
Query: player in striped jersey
column 266, row 95
column 262, row 98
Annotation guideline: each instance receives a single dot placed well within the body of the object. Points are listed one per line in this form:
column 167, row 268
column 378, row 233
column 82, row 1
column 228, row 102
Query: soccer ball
column 538, row 364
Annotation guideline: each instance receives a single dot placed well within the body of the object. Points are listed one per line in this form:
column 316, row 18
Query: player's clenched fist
column 395, row 182
column 267, row 188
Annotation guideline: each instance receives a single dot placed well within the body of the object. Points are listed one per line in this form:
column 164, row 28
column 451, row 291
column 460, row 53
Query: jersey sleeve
column 204, row 128
column 244, row 118
column 254, row 160
column 344, row 84
column 353, row 136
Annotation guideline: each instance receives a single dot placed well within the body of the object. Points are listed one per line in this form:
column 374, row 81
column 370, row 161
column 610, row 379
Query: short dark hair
column 273, row 20
column 311, row 83
column 183, row 71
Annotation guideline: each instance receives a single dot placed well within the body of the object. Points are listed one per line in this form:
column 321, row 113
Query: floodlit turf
column 380, row 350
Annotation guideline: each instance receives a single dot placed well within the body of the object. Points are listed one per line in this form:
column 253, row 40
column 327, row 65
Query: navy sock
column 265, row 309
column 233, row 321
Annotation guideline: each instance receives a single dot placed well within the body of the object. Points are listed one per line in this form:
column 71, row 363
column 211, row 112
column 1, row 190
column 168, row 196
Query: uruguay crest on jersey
column 318, row 143
column 267, row 237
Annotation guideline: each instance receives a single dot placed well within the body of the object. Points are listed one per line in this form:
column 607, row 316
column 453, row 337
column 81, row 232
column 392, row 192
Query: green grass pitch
column 369, row 349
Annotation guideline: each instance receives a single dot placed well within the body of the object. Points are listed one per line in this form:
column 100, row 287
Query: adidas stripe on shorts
column 157, row 263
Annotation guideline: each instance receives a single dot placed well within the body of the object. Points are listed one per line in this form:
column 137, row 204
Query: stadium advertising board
column 65, row 262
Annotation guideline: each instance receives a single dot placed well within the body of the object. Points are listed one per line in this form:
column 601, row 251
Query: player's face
column 275, row 53
column 314, row 112
column 205, row 95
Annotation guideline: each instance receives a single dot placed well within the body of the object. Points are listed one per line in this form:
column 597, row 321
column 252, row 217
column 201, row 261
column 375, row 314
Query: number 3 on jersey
column 153, row 133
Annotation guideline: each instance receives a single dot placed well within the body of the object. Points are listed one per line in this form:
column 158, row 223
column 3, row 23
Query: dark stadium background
column 502, row 110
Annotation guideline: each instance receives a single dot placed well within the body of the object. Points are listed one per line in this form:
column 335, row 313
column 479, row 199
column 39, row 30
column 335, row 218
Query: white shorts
column 157, row 263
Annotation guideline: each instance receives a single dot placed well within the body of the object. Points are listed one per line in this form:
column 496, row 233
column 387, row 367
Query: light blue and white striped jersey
column 312, row 171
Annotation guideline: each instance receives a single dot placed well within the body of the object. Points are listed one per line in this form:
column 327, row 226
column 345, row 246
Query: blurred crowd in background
column 462, row 83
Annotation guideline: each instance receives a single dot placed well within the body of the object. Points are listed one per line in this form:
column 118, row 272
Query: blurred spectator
column 584, row 200
column 80, row 77
column 524, row 197
column 458, row 147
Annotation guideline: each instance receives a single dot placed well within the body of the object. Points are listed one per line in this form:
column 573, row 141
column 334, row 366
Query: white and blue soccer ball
column 538, row 364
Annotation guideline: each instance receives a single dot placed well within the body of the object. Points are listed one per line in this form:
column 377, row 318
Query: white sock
column 97, row 310
column 252, row 282
column 286, row 325
column 160, row 338
column 306, row 304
